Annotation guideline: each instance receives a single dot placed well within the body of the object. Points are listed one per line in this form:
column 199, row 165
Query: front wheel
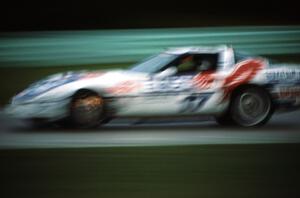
column 87, row 110
column 251, row 107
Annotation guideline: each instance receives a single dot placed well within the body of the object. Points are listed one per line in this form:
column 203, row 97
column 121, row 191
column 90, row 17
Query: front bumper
column 46, row 110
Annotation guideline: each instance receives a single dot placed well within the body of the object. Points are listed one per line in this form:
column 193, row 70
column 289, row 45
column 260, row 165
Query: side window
column 195, row 63
column 207, row 62
column 186, row 65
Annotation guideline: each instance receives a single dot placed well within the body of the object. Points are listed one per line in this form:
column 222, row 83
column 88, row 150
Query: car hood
column 57, row 80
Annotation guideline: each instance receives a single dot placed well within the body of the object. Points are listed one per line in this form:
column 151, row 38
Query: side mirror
column 170, row 71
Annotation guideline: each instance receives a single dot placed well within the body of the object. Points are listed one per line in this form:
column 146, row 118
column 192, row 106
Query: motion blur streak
column 57, row 48
column 283, row 129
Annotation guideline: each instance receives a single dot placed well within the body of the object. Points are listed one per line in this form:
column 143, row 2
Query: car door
column 185, row 92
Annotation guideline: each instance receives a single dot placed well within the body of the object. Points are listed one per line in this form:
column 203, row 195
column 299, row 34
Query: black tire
column 251, row 107
column 87, row 110
column 224, row 119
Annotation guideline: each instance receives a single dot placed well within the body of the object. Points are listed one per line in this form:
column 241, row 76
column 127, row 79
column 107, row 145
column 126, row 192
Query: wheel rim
column 88, row 110
column 252, row 109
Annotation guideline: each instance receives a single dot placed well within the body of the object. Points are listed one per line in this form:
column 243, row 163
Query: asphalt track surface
column 282, row 128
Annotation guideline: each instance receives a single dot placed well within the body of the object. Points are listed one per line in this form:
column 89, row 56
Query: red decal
column 93, row 75
column 204, row 80
column 124, row 87
column 244, row 73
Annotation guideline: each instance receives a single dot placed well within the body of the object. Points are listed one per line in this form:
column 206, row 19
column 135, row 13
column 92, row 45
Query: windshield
column 153, row 63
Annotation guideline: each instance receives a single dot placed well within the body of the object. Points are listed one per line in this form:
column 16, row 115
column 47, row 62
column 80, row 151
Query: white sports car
column 218, row 81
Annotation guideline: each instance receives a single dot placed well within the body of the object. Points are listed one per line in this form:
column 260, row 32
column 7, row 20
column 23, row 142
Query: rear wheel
column 251, row 107
column 87, row 110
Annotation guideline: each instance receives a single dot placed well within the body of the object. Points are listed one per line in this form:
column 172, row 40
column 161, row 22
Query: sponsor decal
column 283, row 76
column 170, row 84
column 289, row 92
column 124, row 87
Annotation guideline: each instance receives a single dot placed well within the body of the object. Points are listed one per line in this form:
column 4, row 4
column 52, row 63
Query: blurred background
column 41, row 38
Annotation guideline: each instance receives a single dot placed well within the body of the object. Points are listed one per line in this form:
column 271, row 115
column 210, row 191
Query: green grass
column 183, row 171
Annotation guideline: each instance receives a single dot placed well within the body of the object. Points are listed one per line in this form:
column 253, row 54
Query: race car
column 219, row 81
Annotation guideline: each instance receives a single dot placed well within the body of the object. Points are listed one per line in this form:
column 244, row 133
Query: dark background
column 58, row 15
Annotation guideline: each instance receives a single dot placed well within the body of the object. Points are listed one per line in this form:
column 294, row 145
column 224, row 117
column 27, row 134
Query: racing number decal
column 193, row 102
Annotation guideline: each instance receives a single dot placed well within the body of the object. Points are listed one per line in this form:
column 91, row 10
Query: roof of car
column 197, row 49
